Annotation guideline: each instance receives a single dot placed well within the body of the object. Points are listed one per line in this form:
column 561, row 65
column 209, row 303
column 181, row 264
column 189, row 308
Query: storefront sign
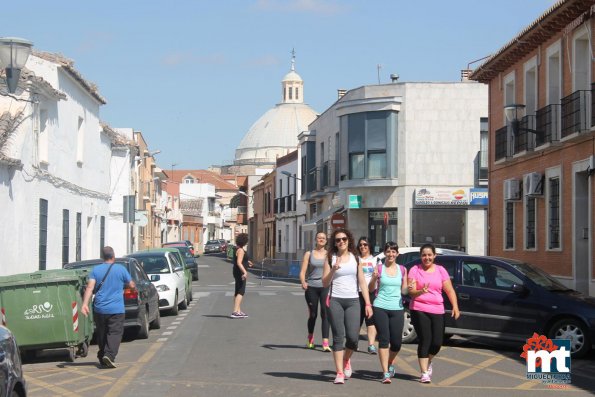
column 478, row 196
column 442, row 196
column 380, row 215
column 355, row 201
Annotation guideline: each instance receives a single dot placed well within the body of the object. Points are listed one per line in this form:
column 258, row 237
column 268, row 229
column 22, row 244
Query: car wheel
column 156, row 324
column 195, row 276
column 83, row 349
column 409, row 334
column 143, row 329
column 575, row 330
column 189, row 295
column 174, row 309
column 184, row 303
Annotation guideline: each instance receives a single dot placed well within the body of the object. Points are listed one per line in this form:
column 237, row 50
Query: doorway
column 382, row 227
column 581, row 232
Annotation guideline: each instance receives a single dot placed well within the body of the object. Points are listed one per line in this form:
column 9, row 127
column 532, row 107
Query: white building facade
column 55, row 169
column 400, row 162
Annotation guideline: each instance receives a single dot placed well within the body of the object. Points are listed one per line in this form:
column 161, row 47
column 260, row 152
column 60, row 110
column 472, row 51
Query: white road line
column 179, row 319
column 172, row 327
column 162, row 340
column 166, row 333
column 203, row 266
column 266, row 293
column 297, row 293
column 229, row 293
column 198, row 295
column 176, row 323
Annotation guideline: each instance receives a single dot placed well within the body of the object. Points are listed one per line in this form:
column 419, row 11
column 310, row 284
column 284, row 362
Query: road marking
column 132, row 372
column 198, row 295
column 266, row 293
column 172, row 327
column 162, row 340
column 297, row 293
column 203, row 266
column 47, row 386
column 179, row 319
column 470, row 371
column 167, row 333
column 176, row 322
column 229, row 293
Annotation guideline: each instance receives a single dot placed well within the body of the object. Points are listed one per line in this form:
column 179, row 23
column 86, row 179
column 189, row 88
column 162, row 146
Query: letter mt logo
column 548, row 360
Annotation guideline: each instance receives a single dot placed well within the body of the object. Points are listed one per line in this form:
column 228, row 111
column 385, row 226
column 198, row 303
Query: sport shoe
column 326, row 347
column 386, row 378
column 108, row 362
column 372, row 349
column 391, row 370
column 244, row 315
column 310, row 345
column 425, row 378
column 339, row 379
column 430, row 369
column 347, row 369
column 238, row 315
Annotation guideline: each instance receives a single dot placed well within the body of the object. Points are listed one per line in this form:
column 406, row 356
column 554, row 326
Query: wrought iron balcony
column 575, row 109
column 501, row 147
column 547, row 120
column 524, row 139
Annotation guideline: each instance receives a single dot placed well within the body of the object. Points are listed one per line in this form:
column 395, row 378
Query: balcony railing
column 290, row 202
column 324, row 179
column 482, row 172
column 285, row 204
column 575, row 109
column 501, row 147
column 525, row 140
column 312, row 180
column 547, row 123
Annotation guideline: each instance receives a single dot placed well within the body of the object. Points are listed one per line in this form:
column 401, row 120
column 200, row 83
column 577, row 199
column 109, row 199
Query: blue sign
column 478, row 196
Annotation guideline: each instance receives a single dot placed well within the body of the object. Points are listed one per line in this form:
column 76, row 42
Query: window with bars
column 530, row 225
column 65, row 235
column 554, row 213
column 509, row 226
column 43, row 233
column 78, row 232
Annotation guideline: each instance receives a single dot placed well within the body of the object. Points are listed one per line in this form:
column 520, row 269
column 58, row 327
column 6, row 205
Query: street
column 202, row 352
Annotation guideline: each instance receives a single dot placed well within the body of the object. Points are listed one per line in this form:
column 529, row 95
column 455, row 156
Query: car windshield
column 213, row 242
column 185, row 252
column 539, row 277
column 154, row 264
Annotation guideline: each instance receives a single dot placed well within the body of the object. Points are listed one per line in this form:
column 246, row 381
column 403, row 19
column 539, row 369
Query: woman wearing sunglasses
column 368, row 264
column 313, row 264
column 343, row 275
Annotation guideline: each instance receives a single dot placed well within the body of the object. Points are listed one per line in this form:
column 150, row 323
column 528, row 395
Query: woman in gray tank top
column 311, row 278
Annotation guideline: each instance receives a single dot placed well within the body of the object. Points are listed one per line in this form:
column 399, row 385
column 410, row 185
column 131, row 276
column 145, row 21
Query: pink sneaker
column 339, row 379
column 430, row 369
column 425, row 378
column 347, row 369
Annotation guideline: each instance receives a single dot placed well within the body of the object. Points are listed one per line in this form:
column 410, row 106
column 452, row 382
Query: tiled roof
column 202, row 176
column 68, row 66
column 116, row 137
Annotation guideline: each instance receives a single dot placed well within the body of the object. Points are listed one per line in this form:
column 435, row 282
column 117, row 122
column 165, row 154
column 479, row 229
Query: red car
column 178, row 243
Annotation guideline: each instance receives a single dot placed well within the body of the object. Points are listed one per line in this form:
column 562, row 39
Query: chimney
column 394, row 77
column 465, row 73
column 340, row 93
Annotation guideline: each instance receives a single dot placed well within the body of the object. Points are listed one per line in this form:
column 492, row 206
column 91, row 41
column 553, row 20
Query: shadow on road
column 324, row 376
column 275, row 347
column 221, row 316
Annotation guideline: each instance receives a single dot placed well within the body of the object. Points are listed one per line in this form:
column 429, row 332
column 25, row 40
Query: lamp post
column 14, row 53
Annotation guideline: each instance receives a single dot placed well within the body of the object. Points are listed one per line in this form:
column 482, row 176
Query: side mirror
column 178, row 269
column 154, row 277
column 518, row 288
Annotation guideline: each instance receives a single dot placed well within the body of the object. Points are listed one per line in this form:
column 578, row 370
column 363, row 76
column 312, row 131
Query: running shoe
column 386, row 379
column 391, row 370
column 310, row 345
column 326, row 348
column 237, row 315
column 425, row 378
column 347, row 369
column 430, row 369
column 244, row 315
column 108, row 362
column 339, row 379
column 372, row 349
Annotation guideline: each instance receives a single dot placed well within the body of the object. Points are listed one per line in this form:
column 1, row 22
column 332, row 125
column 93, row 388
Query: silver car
column 12, row 380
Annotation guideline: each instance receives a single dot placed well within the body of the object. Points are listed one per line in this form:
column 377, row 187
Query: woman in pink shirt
column 426, row 282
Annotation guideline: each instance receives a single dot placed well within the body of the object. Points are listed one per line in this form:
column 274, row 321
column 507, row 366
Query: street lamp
column 146, row 156
column 14, row 53
column 514, row 113
column 289, row 174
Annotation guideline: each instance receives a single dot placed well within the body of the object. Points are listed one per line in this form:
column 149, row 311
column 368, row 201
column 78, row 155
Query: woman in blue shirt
column 390, row 280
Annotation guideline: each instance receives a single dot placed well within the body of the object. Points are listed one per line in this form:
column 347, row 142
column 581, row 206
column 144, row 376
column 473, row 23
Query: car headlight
column 162, row 288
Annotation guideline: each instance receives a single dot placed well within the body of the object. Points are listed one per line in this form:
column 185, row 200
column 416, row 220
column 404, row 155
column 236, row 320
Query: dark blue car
column 507, row 299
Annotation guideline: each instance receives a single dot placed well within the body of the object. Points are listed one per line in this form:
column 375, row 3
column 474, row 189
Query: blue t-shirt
column 110, row 298
column 389, row 294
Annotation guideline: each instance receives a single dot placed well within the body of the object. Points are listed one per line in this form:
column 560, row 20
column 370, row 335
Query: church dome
column 276, row 132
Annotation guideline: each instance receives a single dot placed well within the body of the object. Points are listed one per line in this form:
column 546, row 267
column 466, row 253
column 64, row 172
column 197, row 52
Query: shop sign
column 442, row 196
column 355, row 201
column 380, row 215
column 478, row 196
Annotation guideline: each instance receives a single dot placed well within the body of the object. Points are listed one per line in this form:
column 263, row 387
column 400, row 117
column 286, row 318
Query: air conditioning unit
column 533, row 184
column 512, row 190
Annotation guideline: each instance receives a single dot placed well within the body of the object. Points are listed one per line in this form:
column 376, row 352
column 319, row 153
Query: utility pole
column 378, row 67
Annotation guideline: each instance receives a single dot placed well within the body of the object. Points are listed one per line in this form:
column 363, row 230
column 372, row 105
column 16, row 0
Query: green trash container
column 231, row 250
column 43, row 311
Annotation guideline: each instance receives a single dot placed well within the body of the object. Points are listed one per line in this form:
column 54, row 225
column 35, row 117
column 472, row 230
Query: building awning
column 320, row 217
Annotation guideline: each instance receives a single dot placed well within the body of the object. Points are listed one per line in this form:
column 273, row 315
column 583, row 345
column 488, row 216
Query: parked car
column 140, row 303
column 188, row 255
column 212, row 246
column 187, row 272
column 223, row 245
column 12, row 380
column 508, row 299
column 408, row 254
column 185, row 243
column 166, row 272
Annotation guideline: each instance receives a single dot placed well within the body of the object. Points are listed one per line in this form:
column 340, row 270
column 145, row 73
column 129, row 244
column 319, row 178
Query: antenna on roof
column 379, row 66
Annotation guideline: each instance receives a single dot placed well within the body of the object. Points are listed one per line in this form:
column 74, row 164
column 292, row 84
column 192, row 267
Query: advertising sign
column 442, row 196
column 355, row 201
column 478, row 196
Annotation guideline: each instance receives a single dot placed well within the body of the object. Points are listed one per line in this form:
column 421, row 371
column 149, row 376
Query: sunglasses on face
column 339, row 239
column 363, row 244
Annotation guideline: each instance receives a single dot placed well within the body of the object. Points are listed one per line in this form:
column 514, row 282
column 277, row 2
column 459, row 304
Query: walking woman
column 427, row 280
column 343, row 275
column 313, row 264
column 390, row 280
column 240, row 274
column 368, row 264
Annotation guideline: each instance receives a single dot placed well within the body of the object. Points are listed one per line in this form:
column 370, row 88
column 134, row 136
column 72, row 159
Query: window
column 300, row 237
column 366, row 143
column 445, row 228
column 278, row 240
column 554, row 74
column 189, row 179
column 290, row 92
column 101, row 233
column 65, row 236
column 553, row 221
column 297, row 93
column 79, row 219
column 43, row 233
column 530, row 82
column 80, row 140
column 486, row 275
column 483, row 149
column 582, row 60
column 530, row 217
column 509, row 225
column 42, row 137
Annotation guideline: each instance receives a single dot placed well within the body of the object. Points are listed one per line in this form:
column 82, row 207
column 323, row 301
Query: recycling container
column 43, row 311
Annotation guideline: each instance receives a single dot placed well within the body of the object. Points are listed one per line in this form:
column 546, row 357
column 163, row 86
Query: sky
column 193, row 76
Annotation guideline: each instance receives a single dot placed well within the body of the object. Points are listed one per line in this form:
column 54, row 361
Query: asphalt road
column 203, row 352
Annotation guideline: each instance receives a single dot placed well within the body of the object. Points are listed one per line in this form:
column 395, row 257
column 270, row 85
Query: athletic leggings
column 389, row 324
column 344, row 316
column 362, row 312
column 430, row 332
column 314, row 296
